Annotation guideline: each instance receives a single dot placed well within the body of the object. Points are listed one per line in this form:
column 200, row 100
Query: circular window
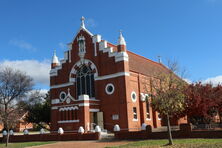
column 110, row 88
column 133, row 96
column 62, row 96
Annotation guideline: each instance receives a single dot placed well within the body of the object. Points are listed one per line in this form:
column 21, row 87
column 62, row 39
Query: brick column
column 84, row 115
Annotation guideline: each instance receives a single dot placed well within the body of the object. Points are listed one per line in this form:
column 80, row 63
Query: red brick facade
column 117, row 94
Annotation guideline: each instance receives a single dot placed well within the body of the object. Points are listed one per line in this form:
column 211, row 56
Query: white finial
column 82, row 22
column 159, row 59
column 55, row 59
column 121, row 40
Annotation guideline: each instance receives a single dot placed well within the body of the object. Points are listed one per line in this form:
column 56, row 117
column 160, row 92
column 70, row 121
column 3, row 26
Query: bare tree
column 168, row 94
column 14, row 85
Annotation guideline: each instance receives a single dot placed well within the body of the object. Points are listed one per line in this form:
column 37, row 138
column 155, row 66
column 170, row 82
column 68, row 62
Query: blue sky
column 189, row 31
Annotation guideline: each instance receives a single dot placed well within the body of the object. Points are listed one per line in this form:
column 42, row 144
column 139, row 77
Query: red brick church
column 99, row 83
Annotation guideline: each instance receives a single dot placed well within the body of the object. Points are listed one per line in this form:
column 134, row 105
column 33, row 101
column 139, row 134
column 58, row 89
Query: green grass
column 24, row 144
column 178, row 143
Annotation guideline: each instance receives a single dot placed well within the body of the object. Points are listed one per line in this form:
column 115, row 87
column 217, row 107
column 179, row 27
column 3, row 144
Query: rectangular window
column 147, row 109
column 134, row 113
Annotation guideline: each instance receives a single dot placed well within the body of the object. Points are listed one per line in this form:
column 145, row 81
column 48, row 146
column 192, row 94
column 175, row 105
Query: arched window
column 85, row 81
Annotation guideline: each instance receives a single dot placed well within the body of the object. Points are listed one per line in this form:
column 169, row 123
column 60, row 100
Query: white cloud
column 214, row 80
column 22, row 44
column 62, row 45
column 38, row 70
column 188, row 81
column 90, row 22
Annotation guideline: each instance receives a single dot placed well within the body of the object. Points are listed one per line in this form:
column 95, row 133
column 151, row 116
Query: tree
column 14, row 85
column 168, row 95
column 203, row 102
column 38, row 109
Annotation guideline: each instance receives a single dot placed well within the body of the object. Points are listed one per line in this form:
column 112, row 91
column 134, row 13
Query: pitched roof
column 145, row 66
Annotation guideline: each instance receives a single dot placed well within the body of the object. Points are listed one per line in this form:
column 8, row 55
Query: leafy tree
column 203, row 102
column 14, row 85
column 38, row 109
column 168, row 95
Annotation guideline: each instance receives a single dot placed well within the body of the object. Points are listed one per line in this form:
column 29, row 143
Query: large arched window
column 85, row 81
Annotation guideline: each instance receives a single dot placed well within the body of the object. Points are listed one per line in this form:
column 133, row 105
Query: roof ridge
column 141, row 56
column 144, row 57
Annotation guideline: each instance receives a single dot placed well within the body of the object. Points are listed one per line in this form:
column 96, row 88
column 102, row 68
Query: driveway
column 83, row 144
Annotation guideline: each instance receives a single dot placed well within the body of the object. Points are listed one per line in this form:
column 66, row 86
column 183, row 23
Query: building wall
column 114, row 104
column 110, row 67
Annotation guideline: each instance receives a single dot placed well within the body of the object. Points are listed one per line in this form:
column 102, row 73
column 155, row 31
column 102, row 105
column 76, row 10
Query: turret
column 55, row 60
column 121, row 43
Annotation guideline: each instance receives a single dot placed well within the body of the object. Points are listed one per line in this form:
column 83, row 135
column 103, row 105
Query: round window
column 62, row 96
column 109, row 88
column 133, row 96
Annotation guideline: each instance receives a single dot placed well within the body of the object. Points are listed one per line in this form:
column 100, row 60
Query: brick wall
column 53, row 137
column 184, row 132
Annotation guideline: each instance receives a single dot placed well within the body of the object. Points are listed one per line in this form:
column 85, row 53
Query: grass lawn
column 24, row 144
column 178, row 143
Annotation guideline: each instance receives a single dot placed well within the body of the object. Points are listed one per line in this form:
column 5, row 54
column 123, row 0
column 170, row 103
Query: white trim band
column 112, row 76
column 61, row 85
column 68, row 121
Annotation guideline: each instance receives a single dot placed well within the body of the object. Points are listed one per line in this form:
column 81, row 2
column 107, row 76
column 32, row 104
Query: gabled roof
column 82, row 27
column 145, row 66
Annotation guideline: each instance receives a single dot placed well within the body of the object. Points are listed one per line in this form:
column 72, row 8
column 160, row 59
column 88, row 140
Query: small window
column 159, row 116
column 134, row 113
column 109, row 88
column 133, row 96
column 147, row 109
column 62, row 96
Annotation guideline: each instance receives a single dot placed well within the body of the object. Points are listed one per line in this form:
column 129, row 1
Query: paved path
column 83, row 144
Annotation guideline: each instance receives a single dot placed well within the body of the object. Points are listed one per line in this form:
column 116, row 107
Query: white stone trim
column 54, row 107
column 106, row 88
column 96, row 38
column 84, row 104
column 133, row 93
column 104, row 77
column 158, row 116
column 61, row 85
column 93, row 110
column 121, row 56
column 83, row 97
column 135, row 120
column 79, row 104
column 112, row 76
column 55, row 101
column 69, row 108
column 68, row 121
column 60, row 96
column 79, row 63
column 72, row 80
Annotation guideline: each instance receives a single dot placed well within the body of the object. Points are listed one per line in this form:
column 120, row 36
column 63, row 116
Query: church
column 101, row 83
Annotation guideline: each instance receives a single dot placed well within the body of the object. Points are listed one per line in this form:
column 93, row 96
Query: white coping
column 68, row 121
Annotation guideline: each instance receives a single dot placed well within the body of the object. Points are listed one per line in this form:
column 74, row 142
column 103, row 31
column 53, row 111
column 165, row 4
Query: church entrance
column 96, row 118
